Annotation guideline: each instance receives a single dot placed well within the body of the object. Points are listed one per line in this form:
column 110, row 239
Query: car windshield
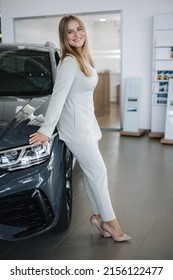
column 25, row 72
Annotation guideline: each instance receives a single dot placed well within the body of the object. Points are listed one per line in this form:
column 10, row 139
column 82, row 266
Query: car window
column 25, row 73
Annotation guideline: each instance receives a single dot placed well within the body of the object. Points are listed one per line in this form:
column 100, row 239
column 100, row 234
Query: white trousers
column 95, row 178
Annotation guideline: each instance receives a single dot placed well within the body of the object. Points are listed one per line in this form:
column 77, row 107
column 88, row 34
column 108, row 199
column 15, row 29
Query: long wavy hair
column 84, row 57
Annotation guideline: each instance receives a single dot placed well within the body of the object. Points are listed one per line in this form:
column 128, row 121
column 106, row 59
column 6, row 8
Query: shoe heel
column 98, row 225
column 105, row 233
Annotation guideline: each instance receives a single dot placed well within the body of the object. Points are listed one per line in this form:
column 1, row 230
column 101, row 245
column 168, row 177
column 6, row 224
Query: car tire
column 66, row 192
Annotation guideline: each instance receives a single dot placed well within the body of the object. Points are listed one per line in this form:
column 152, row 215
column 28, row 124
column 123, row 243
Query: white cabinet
column 162, row 71
column 0, row 31
column 168, row 137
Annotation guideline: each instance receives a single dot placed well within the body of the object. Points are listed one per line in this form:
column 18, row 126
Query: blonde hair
column 82, row 58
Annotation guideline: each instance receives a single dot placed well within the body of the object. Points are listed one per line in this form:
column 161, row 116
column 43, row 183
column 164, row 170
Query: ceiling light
column 102, row 19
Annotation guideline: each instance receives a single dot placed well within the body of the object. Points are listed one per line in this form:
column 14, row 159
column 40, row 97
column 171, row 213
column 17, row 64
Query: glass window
column 25, row 73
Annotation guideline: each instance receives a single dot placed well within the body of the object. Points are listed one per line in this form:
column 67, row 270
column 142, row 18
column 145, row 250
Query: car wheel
column 66, row 197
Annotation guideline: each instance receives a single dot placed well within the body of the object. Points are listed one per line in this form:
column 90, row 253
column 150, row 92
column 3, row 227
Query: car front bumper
column 29, row 199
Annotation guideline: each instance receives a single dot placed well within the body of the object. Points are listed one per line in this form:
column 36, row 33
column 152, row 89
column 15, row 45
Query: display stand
column 131, row 113
column 162, row 71
column 168, row 138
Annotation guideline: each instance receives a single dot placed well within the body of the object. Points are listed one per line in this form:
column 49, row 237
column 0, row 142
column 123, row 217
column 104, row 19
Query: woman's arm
column 64, row 78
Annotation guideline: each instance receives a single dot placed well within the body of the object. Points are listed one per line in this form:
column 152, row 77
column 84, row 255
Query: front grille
column 29, row 210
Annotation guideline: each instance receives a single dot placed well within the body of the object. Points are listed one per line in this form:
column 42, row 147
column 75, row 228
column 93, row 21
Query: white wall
column 137, row 18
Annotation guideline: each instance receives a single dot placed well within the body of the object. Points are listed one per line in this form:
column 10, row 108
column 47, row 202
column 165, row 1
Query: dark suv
column 35, row 181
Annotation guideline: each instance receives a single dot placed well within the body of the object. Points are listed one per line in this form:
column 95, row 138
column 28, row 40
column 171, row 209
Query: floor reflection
column 111, row 120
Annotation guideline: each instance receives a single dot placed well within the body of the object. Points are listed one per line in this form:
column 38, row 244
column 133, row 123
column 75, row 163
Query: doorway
column 104, row 34
column 104, row 31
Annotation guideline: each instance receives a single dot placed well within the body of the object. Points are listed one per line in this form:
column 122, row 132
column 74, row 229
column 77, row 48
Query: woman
column 71, row 110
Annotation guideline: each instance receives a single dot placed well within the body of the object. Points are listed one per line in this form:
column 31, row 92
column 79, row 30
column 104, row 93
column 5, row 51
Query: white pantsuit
column 95, row 178
column 71, row 109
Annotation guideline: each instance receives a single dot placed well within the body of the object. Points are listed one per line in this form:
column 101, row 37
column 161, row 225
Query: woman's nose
column 76, row 33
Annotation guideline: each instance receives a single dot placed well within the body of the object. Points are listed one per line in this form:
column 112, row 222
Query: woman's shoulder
column 70, row 59
column 68, row 63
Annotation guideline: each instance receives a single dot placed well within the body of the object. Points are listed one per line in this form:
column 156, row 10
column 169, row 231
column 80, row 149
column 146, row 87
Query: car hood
column 19, row 117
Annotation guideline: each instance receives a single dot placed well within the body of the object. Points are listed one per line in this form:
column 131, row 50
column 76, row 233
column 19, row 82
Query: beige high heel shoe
column 98, row 225
column 122, row 238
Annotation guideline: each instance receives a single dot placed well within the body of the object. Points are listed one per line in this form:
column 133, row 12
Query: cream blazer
column 71, row 107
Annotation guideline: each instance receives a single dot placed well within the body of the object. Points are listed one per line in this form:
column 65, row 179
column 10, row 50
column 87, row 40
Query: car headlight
column 25, row 156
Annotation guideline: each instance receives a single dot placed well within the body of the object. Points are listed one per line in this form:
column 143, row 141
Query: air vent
column 29, row 210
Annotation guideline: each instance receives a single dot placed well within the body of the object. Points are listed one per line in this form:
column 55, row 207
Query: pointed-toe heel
column 121, row 238
column 97, row 224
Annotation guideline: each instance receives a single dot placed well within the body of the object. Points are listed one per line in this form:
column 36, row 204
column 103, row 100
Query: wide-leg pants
column 95, row 178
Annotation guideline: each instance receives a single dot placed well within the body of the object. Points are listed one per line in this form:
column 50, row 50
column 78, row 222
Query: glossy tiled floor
column 140, row 172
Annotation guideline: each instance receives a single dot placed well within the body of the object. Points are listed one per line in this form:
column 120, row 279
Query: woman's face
column 75, row 34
